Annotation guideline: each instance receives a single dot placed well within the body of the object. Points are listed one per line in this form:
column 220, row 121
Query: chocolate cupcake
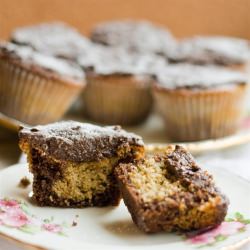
column 36, row 88
column 217, row 50
column 139, row 36
column 118, row 85
column 73, row 163
column 57, row 39
column 199, row 102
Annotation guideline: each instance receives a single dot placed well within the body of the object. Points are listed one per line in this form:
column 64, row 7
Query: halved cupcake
column 73, row 163
column 36, row 88
column 198, row 102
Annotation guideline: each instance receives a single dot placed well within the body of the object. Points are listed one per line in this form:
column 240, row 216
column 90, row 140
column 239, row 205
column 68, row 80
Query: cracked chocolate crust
column 79, row 142
column 199, row 206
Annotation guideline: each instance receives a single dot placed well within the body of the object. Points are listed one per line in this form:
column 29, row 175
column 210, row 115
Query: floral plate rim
column 229, row 246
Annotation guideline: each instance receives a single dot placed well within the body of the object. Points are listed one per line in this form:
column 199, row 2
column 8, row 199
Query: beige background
column 183, row 17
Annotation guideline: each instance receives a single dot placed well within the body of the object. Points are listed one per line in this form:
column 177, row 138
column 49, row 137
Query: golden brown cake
column 72, row 163
column 171, row 193
column 36, row 88
column 200, row 102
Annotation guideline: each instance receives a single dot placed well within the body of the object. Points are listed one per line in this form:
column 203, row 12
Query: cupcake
column 139, row 36
column 199, row 102
column 216, row 50
column 118, row 85
column 36, row 88
column 57, row 39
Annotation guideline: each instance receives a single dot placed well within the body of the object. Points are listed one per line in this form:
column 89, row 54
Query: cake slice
column 170, row 193
column 72, row 163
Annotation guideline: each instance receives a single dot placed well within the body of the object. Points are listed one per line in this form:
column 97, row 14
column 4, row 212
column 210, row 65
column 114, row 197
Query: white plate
column 110, row 228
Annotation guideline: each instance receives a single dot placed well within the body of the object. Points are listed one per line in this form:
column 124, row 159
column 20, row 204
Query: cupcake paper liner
column 192, row 115
column 31, row 98
column 123, row 100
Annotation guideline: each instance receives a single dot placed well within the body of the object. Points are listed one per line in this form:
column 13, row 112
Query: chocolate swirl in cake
column 75, row 141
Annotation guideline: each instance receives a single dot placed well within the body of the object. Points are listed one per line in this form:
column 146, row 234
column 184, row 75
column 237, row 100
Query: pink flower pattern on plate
column 223, row 231
column 246, row 123
column 15, row 214
column 14, row 218
column 54, row 228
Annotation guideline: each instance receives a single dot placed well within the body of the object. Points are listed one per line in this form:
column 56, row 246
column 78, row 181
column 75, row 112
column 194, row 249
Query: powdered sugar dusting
column 75, row 141
column 72, row 130
column 139, row 36
column 186, row 75
column 107, row 60
column 214, row 49
column 57, row 39
column 30, row 57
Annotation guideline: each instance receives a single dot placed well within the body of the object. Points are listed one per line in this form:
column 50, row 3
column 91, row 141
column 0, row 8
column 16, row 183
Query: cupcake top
column 139, row 36
column 198, row 77
column 46, row 65
column 103, row 60
column 57, row 39
column 75, row 141
column 212, row 50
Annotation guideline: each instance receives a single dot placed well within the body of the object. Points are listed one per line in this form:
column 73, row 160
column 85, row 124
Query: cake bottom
column 66, row 184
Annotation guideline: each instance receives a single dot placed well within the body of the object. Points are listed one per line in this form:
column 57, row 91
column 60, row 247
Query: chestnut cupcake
column 199, row 102
column 216, row 50
column 138, row 36
column 36, row 88
column 118, row 85
column 56, row 39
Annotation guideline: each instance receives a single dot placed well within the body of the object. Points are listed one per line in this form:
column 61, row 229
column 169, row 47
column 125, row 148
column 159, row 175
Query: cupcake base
column 118, row 99
column 192, row 115
column 32, row 98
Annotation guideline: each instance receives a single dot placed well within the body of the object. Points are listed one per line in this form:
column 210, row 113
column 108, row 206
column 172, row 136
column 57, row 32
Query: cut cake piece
column 170, row 192
column 72, row 163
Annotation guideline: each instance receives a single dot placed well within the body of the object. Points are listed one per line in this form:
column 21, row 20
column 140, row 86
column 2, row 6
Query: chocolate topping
column 181, row 166
column 212, row 50
column 139, row 36
column 75, row 141
column 50, row 66
column 57, row 39
column 201, row 77
column 107, row 60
